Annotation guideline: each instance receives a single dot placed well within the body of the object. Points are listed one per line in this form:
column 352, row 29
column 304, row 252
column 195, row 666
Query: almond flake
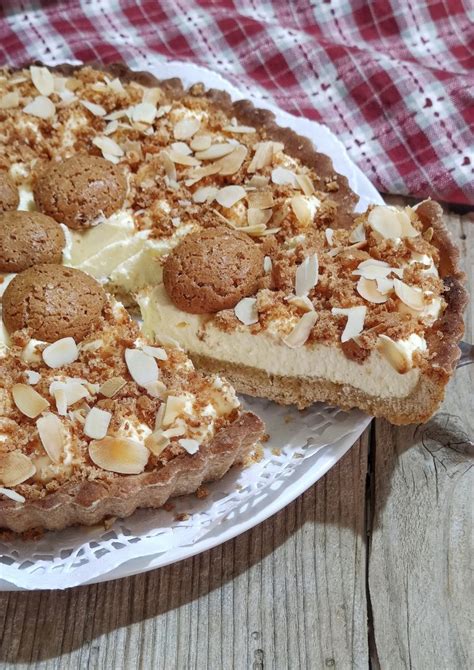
column 201, row 142
column 260, row 199
column 157, row 390
column 305, row 183
column 61, row 401
column 181, row 147
column 254, row 230
column 97, row 423
column 169, row 166
column 177, row 430
column 68, row 392
column 144, row 112
column 384, row 285
column 15, row 468
column 300, row 333
column 32, row 377
column 303, row 302
column 412, row 297
column 116, row 86
column 186, row 128
column 42, row 80
column 159, row 416
column 112, row 386
column 108, row 146
column 329, row 232
column 183, row 159
column 153, row 95
column 258, row 217
column 358, row 234
column 201, row 172
column 232, row 163
column 119, row 454
column 408, row 230
column 28, row 401
column 229, row 195
column 386, row 222
column 302, row 210
column 372, row 269
column 50, row 431
column 394, row 353
column 368, row 289
column 355, row 321
column 306, row 275
column 10, row 100
column 258, row 181
column 155, row 352
column 13, row 495
column 262, row 158
column 175, row 405
column 142, row 368
column 282, row 176
column 41, row 107
column 157, row 442
column 239, row 129
column 246, row 311
column 267, row 264
column 62, row 352
column 205, row 194
column 96, row 110
column 215, row 151
column 111, row 127
column 191, row 446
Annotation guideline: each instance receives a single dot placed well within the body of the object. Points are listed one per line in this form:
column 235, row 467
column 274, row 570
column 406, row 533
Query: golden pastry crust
column 52, row 302
column 77, row 190
column 9, row 196
column 29, row 238
column 212, row 270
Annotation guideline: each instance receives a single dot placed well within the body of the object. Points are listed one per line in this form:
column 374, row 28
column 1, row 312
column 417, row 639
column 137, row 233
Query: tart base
column 90, row 502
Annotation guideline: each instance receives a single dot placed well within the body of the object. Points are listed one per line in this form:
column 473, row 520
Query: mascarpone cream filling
column 265, row 351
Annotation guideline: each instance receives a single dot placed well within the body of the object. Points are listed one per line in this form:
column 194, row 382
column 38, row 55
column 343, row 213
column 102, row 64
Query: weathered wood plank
column 422, row 527
column 289, row 593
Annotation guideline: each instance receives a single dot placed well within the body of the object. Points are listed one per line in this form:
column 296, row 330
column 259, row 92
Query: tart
column 94, row 421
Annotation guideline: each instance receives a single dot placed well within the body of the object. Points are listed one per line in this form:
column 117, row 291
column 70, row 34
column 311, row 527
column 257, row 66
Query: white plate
column 303, row 446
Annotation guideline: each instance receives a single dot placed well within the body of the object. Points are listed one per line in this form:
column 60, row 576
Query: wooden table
column 368, row 567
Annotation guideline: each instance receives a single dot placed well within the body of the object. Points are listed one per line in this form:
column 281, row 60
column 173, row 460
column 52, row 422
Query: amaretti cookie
column 9, row 196
column 27, row 239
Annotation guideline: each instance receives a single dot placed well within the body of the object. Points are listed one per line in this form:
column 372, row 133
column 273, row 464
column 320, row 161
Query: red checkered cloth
column 394, row 80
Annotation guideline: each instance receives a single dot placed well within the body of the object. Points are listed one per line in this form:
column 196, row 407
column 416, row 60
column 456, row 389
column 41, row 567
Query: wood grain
column 421, row 527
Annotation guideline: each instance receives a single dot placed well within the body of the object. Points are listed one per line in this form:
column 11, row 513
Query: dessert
column 27, row 239
column 95, row 422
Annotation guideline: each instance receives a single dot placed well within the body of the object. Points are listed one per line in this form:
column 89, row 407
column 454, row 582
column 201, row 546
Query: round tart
column 27, row 239
column 212, row 270
column 53, row 302
column 77, row 190
column 9, row 198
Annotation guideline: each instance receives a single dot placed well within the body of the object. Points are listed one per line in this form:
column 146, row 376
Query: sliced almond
column 157, row 390
column 302, row 210
column 13, row 495
column 232, row 163
column 300, row 333
column 246, row 311
column 41, row 107
column 119, row 454
column 305, row 183
column 255, row 230
column 175, row 405
column 408, row 230
column 10, row 100
column 258, row 181
column 28, row 401
column 156, row 352
column 230, row 195
column 153, row 96
column 306, row 275
column 116, row 86
column 239, row 129
column 267, row 264
column 142, row 368
column 186, row 128
column 183, row 159
column 282, row 176
column 108, row 146
column 215, row 151
column 205, row 194
column 181, row 147
column 386, row 222
column 303, row 302
column 358, row 234
column 97, row 423
column 32, row 377
column 15, row 468
column 50, row 431
column 260, row 199
column 62, row 352
column 394, row 353
column 112, row 386
column 368, row 289
column 42, row 80
column 169, row 166
column 355, row 320
column 258, row 217
column 372, row 269
column 189, row 445
column 157, row 442
column 72, row 390
column 262, row 157
column 144, row 112
column 201, row 142
column 60, row 398
column 176, row 431
column 159, row 415
column 384, row 285
column 201, row 172
column 96, row 110
column 111, row 127
column 411, row 296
